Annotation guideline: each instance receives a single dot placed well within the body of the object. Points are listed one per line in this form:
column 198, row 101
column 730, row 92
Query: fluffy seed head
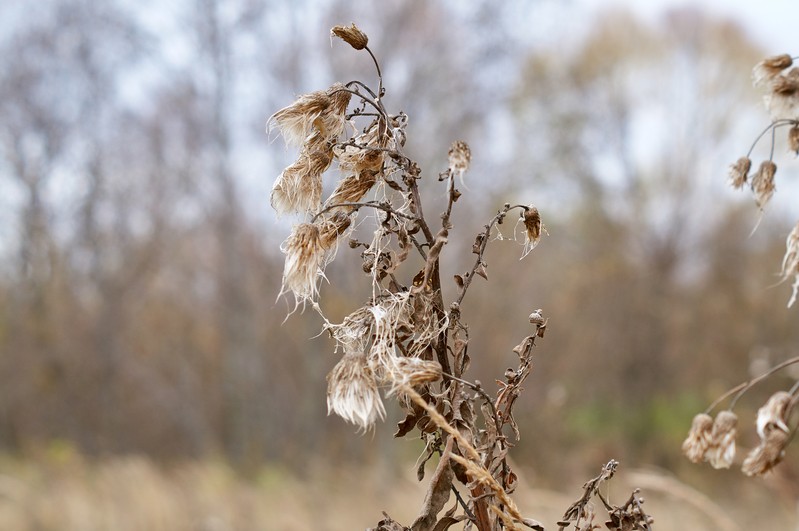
column 739, row 172
column 305, row 260
column 782, row 100
column 532, row 228
column 351, row 35
column 763, row 183
column 321, row 111
column 352, row 391
column 352, row 188
column 699, row 438
column 299, row 187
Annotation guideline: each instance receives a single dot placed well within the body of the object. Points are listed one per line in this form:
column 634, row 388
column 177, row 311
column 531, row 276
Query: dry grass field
column 63, row 491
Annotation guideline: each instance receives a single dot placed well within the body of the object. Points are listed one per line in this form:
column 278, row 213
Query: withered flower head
column 532, row 228
column 411, row 372
column 763, row 183
column 774, row 414
column 352, row 391
column 352, row 188
column 460, row 156
column 782, row 100
column 305, row 259
column 322, row 111
column 739, row 172
column 770, row 67
column 793, row 139
column 299, row 187
column 790, row 262
column 351, row 35
column 699, row 438
column 722, row 445
column 767, row 455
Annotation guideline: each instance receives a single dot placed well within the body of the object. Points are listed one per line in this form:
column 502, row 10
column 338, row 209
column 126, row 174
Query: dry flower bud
column 774, row 414
column 351, row 35
column 770, row 67
column 766, row 456
column 460, row 156
column 790, row 262
column 352, row 391
column 763, row 183
column 699, row 438
column 793, row 139
column 739, row 172
column 722, row 445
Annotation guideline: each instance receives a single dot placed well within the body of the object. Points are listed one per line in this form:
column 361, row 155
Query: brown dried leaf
column 481, row 270
column 437, row 493
column 459, row 281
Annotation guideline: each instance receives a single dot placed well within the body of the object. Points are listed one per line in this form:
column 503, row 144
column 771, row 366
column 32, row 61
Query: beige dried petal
column 769, row 68
column 351, row 35
column 721, row 451
column 774, row 414
column 768, row 455
column 763, row 183
column 352, row 391
column 699, row 438
column 739, row 172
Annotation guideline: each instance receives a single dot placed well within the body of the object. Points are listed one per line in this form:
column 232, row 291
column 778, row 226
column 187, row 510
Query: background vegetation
column 139, row 334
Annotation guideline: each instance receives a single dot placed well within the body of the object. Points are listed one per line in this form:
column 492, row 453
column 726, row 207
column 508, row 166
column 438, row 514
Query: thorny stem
column 742, row 388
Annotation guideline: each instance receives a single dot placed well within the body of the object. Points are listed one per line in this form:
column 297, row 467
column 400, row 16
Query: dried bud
column 722, row 445
column 793, row 139
column 790, row 262
column 770, row 67
column 763, row 183
column 739, row 172
column 352, row 36
column 699, row 438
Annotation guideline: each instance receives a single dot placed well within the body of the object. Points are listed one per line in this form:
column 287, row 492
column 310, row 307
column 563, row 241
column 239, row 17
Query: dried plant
column 714, row 440
column 405, row 339
column 779, row 80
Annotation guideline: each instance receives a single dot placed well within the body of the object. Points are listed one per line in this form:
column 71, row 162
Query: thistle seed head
column 769, row 68
column 321, row 111
column 352, row 391
column 790, row 262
